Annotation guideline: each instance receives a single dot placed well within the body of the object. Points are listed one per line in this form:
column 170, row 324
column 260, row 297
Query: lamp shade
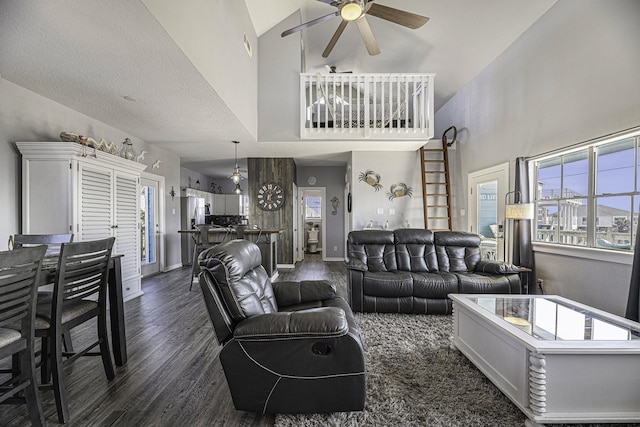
column 351, row 11
column 519, row 211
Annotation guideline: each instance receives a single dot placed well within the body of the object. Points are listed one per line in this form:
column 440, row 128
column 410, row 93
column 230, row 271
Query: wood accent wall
column 282, row 172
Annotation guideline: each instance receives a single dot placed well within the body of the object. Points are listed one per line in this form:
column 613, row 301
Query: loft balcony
column 373, row 106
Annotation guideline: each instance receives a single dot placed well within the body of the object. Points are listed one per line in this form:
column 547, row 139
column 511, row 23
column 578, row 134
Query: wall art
column 371, row 178
column 399, row 190
column 335, row 202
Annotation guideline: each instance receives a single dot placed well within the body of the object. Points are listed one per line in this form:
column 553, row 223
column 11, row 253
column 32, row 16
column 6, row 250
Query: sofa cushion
column 388, row 284
column 374, row 248
column 388, row 305
column 434, row 285
column 415, row 250
column 474, row 283
column 457, row 251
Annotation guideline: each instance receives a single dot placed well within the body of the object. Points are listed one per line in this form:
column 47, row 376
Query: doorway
column 151, row 224
column 487, row 190
column 312, row 220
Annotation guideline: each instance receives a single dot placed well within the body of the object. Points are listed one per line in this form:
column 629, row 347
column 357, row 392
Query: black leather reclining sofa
column 413, row 270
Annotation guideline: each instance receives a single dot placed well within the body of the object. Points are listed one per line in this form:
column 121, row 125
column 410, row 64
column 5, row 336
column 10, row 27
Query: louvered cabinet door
column 95, row 199
column 127, row 233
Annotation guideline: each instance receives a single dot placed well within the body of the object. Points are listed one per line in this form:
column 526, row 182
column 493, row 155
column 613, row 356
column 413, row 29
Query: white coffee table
column 557, row 360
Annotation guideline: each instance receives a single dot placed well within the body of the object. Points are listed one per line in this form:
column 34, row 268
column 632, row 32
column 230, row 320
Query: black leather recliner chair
column 290, row 347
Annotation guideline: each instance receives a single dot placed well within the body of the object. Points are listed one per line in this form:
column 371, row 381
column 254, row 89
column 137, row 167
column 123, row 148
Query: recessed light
column 130, row 98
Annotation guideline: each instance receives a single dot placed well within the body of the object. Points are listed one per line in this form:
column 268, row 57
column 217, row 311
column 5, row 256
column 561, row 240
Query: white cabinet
column 66, row 189
column 219, row 204
column 228, row 204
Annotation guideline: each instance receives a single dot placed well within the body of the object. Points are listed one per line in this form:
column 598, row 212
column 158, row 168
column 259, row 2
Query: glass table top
column 551, row 320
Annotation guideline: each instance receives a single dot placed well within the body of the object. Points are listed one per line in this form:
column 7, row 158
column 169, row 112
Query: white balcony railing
column 379, row 106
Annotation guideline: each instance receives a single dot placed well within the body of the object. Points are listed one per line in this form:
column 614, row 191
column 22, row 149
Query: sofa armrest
column 290, row 293
column 355, row 264
column 495, row 267
column 324, row 322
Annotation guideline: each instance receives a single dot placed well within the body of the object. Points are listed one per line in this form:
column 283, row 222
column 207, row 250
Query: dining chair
column 81, row 277
column 19, row 272
column 53, row 241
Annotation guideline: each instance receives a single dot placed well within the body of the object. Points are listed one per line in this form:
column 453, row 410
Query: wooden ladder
column 436, row 188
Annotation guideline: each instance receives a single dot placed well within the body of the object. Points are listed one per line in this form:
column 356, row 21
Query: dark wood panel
column 282, row 172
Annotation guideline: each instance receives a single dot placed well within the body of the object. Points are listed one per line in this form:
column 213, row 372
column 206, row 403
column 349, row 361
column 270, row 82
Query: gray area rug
column 415, row 379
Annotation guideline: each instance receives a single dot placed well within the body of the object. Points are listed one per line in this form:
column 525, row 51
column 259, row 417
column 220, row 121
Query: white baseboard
column 333, row 259
column 132, row 296
column 286, row 266
column 172, row 267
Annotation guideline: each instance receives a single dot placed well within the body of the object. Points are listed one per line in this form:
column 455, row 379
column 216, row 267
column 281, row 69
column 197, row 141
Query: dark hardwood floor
column 173, row 376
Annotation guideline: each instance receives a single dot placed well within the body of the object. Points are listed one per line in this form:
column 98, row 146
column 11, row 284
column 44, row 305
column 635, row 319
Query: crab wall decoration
column 371, row 178
column 399, row 190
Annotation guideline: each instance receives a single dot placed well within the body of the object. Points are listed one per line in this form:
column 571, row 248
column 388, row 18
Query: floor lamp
column 516, row 212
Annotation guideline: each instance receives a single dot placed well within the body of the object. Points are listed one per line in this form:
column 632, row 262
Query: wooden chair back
column 19, row 274
column 53, row 241
column 83, row 270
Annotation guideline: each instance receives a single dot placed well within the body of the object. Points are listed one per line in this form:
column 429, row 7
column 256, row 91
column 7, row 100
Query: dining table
column 115, row 300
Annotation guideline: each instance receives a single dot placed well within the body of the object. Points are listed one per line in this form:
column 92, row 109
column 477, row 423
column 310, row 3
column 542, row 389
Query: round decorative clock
column 270, row 196
column 311, row 180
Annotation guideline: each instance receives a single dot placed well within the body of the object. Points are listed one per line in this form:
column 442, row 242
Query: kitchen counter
column 265, row 238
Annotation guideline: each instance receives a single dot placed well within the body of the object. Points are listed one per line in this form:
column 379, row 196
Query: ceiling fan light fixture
column 351, row 11
column 235, row 176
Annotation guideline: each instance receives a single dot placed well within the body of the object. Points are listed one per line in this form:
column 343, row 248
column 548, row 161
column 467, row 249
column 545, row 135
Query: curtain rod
column 588, row 142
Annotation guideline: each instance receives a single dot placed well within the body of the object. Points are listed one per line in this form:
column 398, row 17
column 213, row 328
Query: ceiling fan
column 356, row 11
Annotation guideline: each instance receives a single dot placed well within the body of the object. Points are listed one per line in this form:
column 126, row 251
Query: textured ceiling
column 89, row 54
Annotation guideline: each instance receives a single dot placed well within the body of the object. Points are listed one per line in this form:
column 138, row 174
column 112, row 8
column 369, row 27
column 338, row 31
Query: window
column 589, row 196
column 313, row 207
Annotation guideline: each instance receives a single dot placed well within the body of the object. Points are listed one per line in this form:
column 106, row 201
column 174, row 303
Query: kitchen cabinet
column 94, row 195
column 228, row 204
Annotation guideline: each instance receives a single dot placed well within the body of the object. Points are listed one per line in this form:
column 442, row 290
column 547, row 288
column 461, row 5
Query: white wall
column 27, row 116
column 279, row 82
column 211, row 34
column 393, row 168
column 571, row 77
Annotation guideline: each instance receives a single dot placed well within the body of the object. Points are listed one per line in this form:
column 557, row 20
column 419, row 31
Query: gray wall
column 393, row 168
column 571, row 77
column 26, row 116
column 188, row 179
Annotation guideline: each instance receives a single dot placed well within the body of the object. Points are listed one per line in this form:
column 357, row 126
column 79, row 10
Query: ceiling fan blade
column 335, row 38
column 310, row 23
column 367, row 35
column 397, row 16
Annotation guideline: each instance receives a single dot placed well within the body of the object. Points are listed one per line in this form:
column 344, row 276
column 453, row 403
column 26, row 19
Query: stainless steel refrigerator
column 192, row 212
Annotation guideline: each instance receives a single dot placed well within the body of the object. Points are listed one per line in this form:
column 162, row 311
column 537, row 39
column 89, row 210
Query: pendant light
column 235, row 176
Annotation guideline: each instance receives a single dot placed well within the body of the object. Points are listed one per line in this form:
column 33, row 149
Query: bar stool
column 202, row 241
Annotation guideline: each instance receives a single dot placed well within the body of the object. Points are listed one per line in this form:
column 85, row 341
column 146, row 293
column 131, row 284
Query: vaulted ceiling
column 89, row 54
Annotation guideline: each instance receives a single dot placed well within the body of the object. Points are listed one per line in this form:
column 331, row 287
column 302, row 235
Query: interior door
column 487, row 191
column 149, row 227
